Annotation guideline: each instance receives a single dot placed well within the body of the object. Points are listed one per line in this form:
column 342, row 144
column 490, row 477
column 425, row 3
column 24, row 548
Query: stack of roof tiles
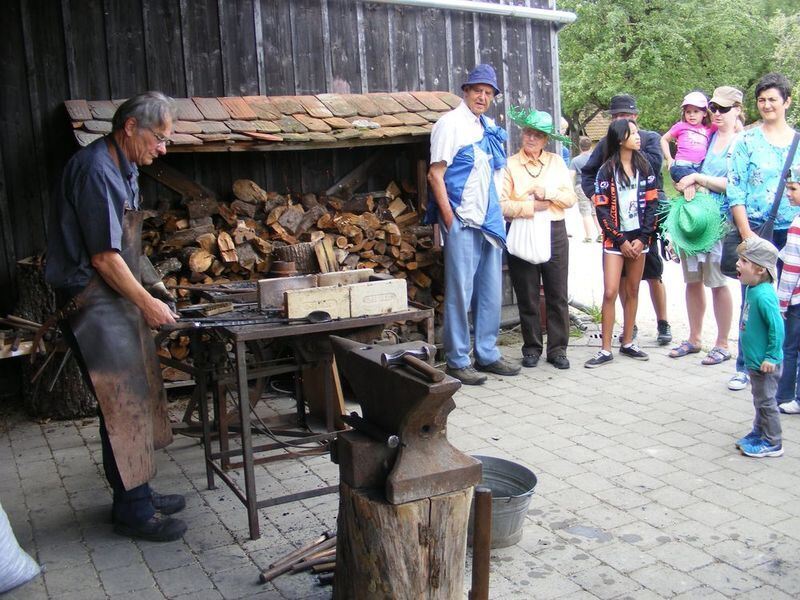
column 259, row 122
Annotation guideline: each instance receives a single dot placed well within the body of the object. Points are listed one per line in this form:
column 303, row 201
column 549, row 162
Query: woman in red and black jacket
column 626, row 199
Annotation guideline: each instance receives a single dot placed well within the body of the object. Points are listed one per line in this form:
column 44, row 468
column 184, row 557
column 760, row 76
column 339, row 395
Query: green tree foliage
column 658, row 50
column 786, row 56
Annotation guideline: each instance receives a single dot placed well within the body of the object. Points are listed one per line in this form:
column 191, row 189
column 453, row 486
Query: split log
column 208, row 242
column 243, row 208
column 197, row 259
column 249, row 191
column 310, row 217
column 412, row 550
column 185, row 237
column 227, row 248
column 309, row 201
column 397, row 207
column 291, row 218
column 227, row 213
column 202, row 207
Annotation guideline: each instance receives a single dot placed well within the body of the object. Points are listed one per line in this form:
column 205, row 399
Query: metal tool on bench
column 399, row 402
column 316, row 316
column 415, row 358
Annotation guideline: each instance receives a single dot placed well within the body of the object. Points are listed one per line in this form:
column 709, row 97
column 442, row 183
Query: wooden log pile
column 206, row 241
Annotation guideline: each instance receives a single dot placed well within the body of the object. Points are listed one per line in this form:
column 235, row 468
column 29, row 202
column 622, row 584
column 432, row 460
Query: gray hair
column 150, row 109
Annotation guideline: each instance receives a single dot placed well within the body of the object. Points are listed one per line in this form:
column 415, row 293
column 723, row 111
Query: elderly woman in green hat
column 537, row 182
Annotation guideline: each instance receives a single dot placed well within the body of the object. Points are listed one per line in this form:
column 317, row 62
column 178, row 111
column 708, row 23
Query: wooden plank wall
column 108, row 49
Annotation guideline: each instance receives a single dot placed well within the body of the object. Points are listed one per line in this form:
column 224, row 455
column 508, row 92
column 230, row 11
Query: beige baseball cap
column 760, row 252
column 726, row 95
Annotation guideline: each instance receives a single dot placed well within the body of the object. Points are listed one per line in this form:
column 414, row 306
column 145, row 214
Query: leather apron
column 120, row 356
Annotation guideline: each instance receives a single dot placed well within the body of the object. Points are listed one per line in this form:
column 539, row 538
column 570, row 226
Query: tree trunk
column 415, row 550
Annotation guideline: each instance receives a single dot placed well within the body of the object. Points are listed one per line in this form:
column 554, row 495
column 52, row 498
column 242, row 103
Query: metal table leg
column 247, row 442
column 201, row 394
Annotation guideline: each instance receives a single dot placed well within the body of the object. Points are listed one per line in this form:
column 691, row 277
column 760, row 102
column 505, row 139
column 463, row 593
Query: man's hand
column 156, row 313
column 768, row 367
column 160, row 291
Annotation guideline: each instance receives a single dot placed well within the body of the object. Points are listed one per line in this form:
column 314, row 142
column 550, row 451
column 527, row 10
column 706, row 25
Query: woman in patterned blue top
column 754, row 172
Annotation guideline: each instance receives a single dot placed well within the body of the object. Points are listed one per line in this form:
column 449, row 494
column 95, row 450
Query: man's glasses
column 160, row 138
column 716, row 108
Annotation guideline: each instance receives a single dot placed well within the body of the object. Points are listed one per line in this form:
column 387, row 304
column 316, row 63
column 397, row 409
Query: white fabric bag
column 16, row 567
column 529, row 239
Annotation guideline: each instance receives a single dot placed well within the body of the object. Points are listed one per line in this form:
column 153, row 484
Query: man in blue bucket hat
column 467, row 159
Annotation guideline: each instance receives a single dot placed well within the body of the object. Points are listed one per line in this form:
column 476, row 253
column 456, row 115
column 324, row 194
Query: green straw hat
column 694, row 226
column 538, row 120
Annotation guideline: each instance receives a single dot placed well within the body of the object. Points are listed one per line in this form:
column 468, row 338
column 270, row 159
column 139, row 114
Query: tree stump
column 70, row 398
column 397, row 551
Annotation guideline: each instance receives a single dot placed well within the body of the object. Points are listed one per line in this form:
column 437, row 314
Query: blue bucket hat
column 482, row 74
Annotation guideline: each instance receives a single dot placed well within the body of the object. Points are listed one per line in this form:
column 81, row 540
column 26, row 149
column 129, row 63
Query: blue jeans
column 787, row 386
column 678, row 172
column 473, row 282
column 779, row 239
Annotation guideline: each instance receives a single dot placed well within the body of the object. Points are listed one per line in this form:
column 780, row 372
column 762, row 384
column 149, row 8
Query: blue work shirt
column 87, row 212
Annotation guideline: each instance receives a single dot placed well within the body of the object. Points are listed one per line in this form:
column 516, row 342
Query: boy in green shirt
column 761, row 333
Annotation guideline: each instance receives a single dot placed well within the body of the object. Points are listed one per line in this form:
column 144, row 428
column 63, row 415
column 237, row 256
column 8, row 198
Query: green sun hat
column 538, row 120
column 694, row 226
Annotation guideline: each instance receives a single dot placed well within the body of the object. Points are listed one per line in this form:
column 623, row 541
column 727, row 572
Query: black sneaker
column 467, row 375
column 598, row 360
column 664, row 333
column 499, row 367
column 157, row 529
column 167, row 504
column 634, row 352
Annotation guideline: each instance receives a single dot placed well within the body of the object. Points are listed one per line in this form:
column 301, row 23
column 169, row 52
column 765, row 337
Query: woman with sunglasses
column 703, row 271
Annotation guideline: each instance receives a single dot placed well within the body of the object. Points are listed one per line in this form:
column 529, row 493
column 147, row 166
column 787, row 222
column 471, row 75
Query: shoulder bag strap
column 782, row 183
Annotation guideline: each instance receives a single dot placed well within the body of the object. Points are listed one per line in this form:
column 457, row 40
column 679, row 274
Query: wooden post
column 397, row 551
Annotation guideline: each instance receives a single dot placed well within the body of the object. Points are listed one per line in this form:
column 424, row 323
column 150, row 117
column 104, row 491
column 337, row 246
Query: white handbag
column 529, row 239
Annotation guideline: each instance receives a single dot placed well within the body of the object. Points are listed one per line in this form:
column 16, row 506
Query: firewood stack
column 207, row 241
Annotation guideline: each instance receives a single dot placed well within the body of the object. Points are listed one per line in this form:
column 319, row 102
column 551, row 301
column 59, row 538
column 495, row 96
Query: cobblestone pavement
column 641, row 495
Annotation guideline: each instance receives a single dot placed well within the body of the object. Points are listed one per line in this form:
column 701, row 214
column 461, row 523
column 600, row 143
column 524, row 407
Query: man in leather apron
column 467, row 155
column 94, row 261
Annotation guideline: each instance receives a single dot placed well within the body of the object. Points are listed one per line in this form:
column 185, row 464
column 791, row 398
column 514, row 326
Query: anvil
column 398, row 400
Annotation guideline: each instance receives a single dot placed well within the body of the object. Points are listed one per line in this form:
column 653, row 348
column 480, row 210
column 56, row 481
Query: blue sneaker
column 761, row 448
column 749, row 438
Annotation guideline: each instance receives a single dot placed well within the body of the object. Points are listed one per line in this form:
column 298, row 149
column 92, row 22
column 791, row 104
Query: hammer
column 416, row 360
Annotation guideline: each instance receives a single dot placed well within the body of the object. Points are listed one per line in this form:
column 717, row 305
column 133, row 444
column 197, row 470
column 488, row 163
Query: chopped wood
column 243, row 208
column 243, row 233
column 247, row 190
column 291, row 218
column 187, row 236
column 208, row 242
column 227, row 213
column 227, row 248
column 326, row 257
column 198, row 260
column 397, row 207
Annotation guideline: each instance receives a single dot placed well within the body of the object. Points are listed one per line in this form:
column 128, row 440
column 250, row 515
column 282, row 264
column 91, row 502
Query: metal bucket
column 512, row 487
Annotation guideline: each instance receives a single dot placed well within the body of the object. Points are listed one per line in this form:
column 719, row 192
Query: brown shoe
column 467, row 375
column 499, row 367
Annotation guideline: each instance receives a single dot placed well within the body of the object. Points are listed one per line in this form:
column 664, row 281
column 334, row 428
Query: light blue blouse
column 754, row 171
column 716, row 165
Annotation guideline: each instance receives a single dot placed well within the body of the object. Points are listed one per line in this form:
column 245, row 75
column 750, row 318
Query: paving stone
column 53, row 557
column 623, row 557
column 130, row 578
column 680, row 557
column 222, row 558
column 708, row 513
column 183, row 580
column 241, row 582
column 162, row 557
column 664, row 580
column 115, row 556
column 72, row 579
column 726, row 579
column 32, row 590
column 604, row 582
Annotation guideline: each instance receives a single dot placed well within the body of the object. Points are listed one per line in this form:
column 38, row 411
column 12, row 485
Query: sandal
column 685, row 347
column 715, row 356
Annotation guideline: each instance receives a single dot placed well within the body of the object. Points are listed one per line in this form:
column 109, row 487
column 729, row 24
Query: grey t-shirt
column 578, row 163
column 87, row 212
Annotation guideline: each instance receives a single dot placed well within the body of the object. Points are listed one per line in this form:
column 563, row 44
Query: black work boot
column 168, row 504
column 155, row 529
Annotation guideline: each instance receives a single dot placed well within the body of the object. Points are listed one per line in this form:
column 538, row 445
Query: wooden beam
column 177, row 181
column 345, row 187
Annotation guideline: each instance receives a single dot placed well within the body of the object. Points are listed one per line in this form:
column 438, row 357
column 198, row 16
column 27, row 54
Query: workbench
column 310, row 343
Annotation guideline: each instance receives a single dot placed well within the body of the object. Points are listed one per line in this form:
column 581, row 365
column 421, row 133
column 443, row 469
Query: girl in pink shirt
column 691, row 136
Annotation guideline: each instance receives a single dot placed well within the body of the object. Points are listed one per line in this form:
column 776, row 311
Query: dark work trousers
column 526, row 278
column 129, row 506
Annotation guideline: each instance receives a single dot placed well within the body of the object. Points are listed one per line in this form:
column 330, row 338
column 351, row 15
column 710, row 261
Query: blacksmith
column 467, row 157
column 94, row 258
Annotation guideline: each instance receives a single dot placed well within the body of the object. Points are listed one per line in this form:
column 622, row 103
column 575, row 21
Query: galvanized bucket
column 512, row 487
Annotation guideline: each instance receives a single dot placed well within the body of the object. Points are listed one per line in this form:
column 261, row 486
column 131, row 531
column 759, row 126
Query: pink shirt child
column 692, row 140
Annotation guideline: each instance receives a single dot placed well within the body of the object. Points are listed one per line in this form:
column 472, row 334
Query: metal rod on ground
column 285, row 564
column 481, row 543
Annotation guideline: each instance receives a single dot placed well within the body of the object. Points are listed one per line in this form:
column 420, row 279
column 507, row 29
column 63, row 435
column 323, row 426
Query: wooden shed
column 105, row 50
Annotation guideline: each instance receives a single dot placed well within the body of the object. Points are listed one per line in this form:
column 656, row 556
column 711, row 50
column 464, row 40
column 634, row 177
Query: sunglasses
column 716, row 108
